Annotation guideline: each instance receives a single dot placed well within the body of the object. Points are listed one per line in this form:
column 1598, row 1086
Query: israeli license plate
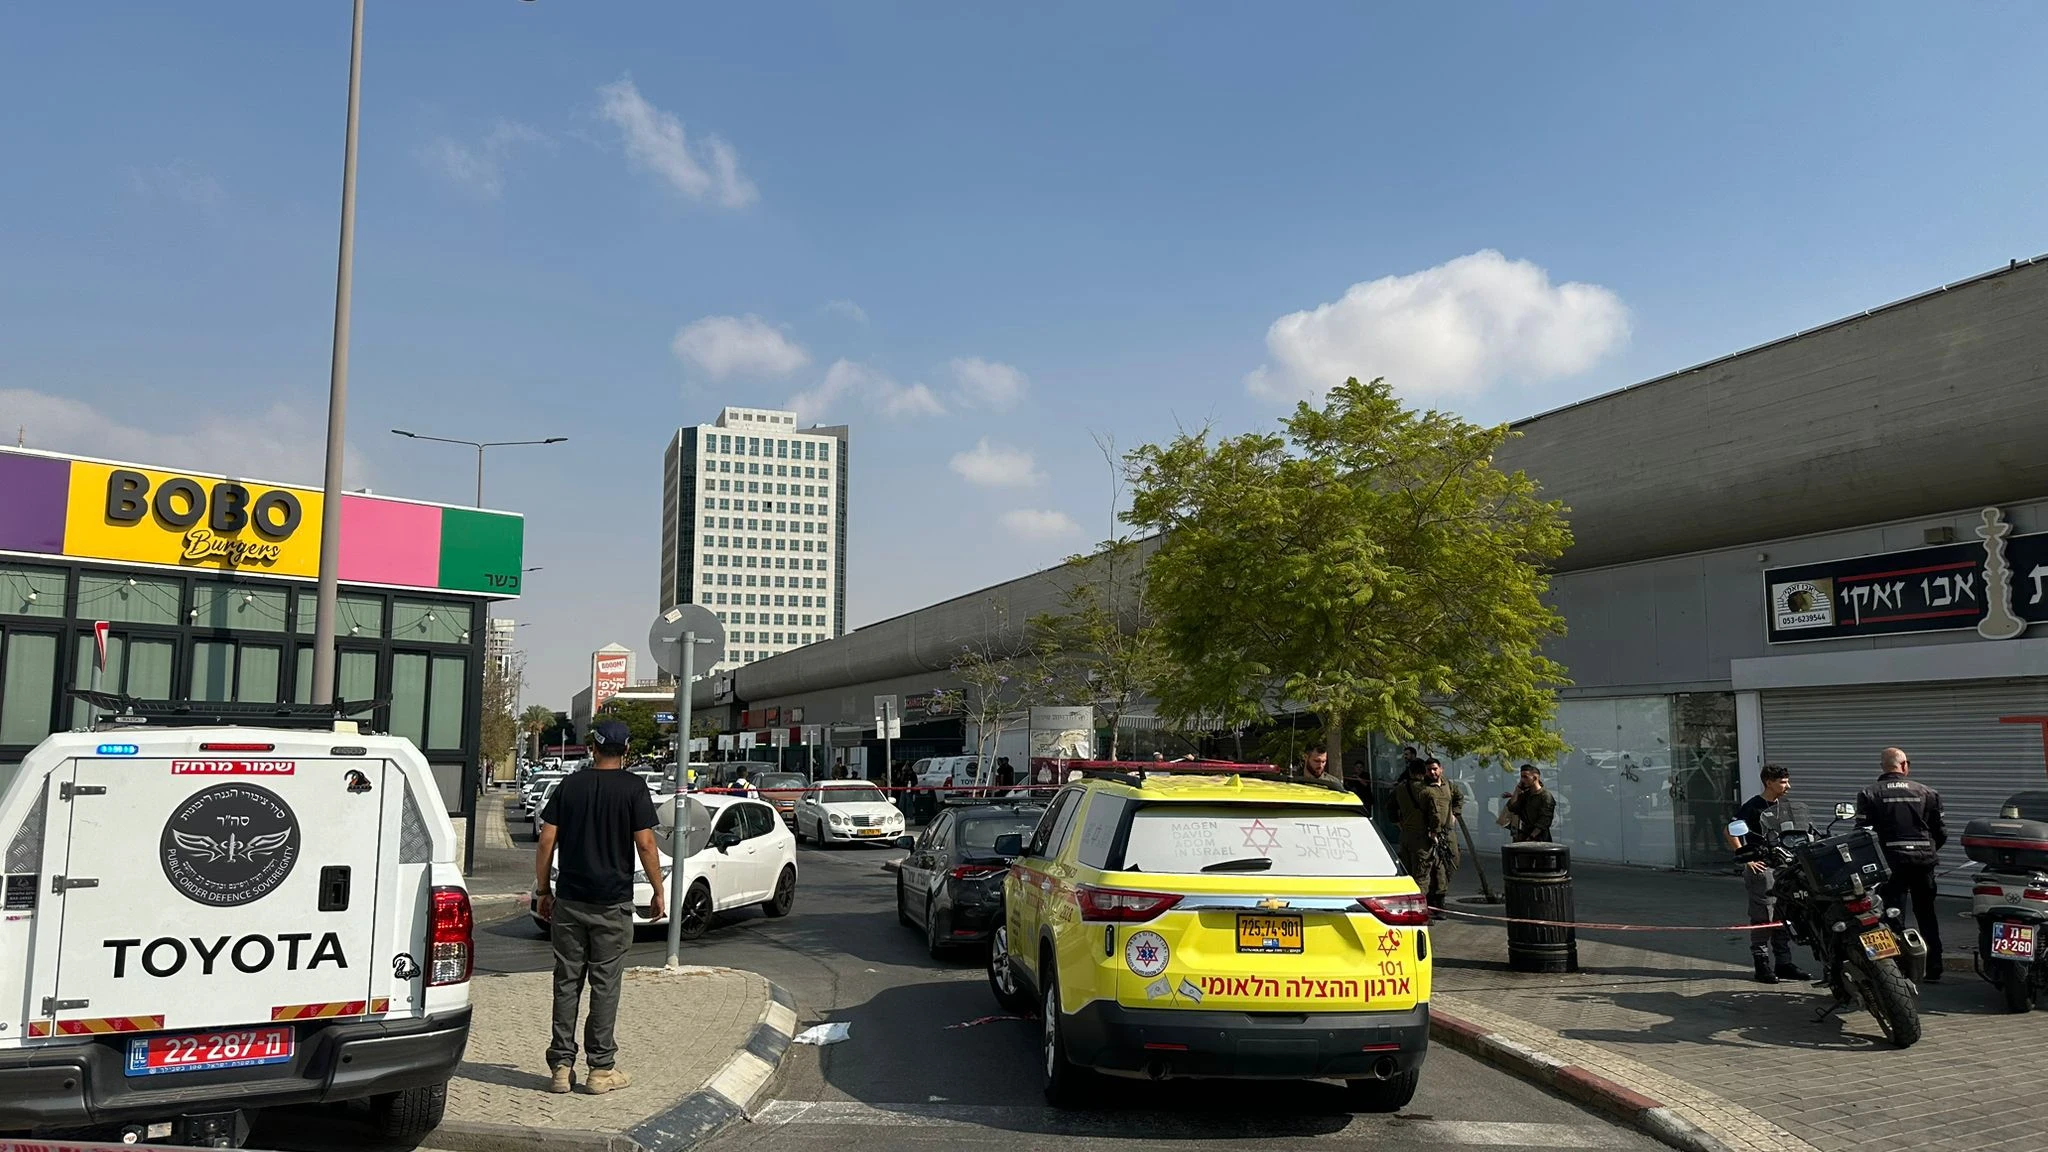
column 200, row 1051
column 1257, row 932
column 2012, row 941
column 871, row 831
column 1881, row 944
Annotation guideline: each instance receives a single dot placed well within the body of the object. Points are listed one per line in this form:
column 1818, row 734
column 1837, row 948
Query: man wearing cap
column 598, row 819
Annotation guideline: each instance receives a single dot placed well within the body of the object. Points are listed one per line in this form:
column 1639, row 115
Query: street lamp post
column 337, row 390
column 479, row 446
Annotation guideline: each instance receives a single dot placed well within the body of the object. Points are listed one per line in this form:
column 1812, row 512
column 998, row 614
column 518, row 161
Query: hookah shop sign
column 1997, row 585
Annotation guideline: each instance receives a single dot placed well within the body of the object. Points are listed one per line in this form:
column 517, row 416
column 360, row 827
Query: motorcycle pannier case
column 1834, row 865
column 2008, row 845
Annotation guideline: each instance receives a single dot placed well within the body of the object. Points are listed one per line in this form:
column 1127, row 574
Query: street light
column 479, row 446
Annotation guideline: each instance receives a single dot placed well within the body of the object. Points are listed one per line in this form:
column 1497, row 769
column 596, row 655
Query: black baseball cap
column 610, row 734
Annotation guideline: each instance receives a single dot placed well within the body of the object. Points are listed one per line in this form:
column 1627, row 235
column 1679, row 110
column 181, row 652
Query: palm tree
column 537, row 719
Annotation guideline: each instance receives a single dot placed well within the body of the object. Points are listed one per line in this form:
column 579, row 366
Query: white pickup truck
column 199, row 921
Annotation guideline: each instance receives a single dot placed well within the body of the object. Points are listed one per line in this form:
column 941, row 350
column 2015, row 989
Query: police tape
column 1594, row 925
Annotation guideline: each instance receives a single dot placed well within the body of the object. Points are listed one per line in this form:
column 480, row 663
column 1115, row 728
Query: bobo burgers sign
column 165, row 518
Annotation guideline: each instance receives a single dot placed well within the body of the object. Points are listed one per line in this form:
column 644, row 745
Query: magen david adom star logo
column 229, row 845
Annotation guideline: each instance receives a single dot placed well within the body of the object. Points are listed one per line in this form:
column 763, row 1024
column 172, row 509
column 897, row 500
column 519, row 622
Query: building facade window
column 32, row 592
column 28, row 683
column 128, row 599
column 226, row 606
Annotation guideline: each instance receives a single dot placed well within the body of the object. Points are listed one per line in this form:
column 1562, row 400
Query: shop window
column 129, row 599
column 430, row 622
column 28, row 684
column 428, row 698
column 224, row 670
column 361, row 617
column 226, row 606
column 137, row 666
column 31, row 591
column 355, row 677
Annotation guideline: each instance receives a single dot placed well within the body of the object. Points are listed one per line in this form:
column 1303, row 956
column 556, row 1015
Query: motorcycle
column 2010, row 898
column 1827, row 891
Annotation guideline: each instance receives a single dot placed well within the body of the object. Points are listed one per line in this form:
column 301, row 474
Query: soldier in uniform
column 1429, row 808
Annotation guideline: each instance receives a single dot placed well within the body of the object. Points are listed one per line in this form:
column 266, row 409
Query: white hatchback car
column 737, row 853
column 847, row 811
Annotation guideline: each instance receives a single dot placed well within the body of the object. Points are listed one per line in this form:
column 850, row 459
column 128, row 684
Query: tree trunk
column 1333, row 742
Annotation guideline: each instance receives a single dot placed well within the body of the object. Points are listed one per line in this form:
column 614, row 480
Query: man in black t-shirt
column 1767, row 813
column 595, row 823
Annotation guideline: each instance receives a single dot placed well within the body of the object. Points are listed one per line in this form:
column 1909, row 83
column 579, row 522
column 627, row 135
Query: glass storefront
column 1646, row 780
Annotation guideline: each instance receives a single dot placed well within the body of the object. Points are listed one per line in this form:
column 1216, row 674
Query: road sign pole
column 676, row 835
column 889, row 742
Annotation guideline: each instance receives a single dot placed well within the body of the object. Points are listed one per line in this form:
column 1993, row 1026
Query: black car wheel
column 785, row 893
column 1002, row 975
column 934, row 944
column 1065, row 1083
column 695, row 915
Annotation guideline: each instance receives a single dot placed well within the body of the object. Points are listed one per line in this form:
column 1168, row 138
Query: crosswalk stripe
column 1463, row 1133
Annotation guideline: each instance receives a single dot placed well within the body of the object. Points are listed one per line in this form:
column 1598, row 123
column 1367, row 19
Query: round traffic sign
column 665, row 639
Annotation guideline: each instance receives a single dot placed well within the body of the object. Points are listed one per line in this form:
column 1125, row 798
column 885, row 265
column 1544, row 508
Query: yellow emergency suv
column 1198, row 920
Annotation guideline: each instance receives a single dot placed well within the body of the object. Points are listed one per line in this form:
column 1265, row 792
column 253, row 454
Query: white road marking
column 1466, row 1133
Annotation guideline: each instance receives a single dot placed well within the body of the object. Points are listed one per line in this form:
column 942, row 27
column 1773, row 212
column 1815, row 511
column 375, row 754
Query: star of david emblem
column 1390, row 941
column 1147, row 954
column 1261, row 837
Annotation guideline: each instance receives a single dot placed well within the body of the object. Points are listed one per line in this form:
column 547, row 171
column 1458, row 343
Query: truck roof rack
column 123, row 711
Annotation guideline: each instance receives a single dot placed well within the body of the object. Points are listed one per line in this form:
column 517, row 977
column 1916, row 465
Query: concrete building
column 1798, row 553
column 611, row 672
column 498, row 641
column 753, row 526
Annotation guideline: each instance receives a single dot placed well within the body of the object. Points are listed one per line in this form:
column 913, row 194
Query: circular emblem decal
column 229, row 845
column 1146, row 953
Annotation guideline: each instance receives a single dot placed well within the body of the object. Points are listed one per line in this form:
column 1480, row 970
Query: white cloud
column 177, row 180
column 847, row 379
column 848, row 309
column 722, row 346
column 655, row 142
column 279, row 444
column 997, row 466
column 1451, row 330
column 1039, row 523
column 987, row 383
column 480, row 168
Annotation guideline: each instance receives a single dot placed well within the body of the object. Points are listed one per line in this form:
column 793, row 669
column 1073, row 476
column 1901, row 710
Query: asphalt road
column 931, row 1062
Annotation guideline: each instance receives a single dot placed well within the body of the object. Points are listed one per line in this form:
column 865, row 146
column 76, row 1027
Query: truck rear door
column 224, row 889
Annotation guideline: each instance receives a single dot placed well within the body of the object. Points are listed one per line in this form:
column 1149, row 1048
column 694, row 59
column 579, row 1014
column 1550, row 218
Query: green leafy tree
column 1103, row 648
column 1371, row 565
column 536, row 719
column 639, row 719
column 500, row 735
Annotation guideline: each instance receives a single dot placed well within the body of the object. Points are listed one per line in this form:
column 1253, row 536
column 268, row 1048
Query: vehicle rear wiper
column 1247, row 864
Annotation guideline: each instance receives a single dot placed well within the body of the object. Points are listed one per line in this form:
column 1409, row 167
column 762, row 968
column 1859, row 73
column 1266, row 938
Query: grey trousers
column 590, row 947
column 1774, row 943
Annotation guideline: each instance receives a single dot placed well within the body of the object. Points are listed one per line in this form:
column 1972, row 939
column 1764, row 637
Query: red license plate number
column 2015, row 941
column 197, row 1051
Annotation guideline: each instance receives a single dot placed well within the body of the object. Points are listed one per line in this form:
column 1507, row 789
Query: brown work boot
column 603, row 1080
column 564, row 1081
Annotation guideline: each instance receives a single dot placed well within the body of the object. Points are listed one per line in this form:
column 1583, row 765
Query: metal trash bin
column 1538, row 879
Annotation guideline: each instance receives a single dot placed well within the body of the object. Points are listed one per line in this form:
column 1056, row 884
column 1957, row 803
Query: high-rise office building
column 753, row 527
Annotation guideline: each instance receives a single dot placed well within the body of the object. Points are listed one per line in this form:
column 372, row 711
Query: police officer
column 1429, row 807
column 1906, row 815
column 1766, row 814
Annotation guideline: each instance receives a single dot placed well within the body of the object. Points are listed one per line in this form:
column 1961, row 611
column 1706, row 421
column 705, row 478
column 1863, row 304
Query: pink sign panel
column 389, row 542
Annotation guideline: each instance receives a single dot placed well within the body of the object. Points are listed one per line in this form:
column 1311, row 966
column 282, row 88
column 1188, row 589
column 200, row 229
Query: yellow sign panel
column 152, row 517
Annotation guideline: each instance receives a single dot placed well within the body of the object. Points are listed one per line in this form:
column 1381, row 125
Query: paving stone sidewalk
column 676, row 1031
column 1751, row 1057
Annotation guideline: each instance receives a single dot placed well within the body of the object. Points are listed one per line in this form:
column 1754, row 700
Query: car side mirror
column 906, row 842
column 725, row 840
column 1738, row 828
column 1845, row 811
column 1010, row 844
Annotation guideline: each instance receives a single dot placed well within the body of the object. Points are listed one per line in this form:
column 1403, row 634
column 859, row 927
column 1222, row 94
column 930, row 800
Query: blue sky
column 1060, row 219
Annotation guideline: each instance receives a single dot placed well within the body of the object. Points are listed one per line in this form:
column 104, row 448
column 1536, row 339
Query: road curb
column 1652, row 1117
column 730, row 1095
column 497, row 901
column 469, row 1136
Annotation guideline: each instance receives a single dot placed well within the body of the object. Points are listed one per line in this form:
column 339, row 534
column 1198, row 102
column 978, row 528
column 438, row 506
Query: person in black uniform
column 1906, row 815
column 1766, row 813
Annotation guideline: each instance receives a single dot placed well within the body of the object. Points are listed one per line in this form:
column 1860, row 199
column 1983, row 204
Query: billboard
column 608, row 672
column 57, row 505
